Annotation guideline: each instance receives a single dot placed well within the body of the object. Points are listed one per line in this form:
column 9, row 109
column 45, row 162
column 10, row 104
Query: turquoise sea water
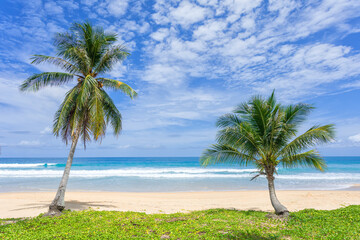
column 166, row 174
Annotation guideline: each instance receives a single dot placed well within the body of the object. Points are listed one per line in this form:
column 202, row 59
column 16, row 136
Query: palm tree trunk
column 58, row 204
column 279, row 208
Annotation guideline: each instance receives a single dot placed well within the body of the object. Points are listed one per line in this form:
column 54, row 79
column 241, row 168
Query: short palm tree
column 84, row 53
column 263, row 133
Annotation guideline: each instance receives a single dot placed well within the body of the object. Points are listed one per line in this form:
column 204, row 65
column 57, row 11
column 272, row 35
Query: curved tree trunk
column 279, row 208
column 58, row 204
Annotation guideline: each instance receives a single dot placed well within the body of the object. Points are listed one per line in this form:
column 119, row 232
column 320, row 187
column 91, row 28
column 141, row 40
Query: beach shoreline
column 31, row 204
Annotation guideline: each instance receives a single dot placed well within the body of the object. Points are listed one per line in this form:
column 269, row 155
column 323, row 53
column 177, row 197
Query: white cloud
column 212, row 3
column 188, row 13
column 118, row 70
column 160, row 74
column 31, row 143
column 192, row 60
column 89, row 2
column 35, row 109
column 210, row 30
column 246, row 51
column 46, row 130
column 238, row 7
column 69, row 4
column 184, row 14
column 160, row 34
column 52, row 8
column 248, row 22
column 190, row 115
column 124, row 146
column 355, row 138
column 117, row 7
column 309, row 69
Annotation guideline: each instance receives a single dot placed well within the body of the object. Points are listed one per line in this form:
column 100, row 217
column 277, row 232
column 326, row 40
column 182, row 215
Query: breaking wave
column 26, row 165
column 170, row 173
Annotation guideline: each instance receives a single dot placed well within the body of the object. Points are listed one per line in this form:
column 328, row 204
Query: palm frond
column 112, row 114
column 85, row 126
column 117, row 85
column 86, row 89
column 97, row 114
column 80, row 58
column 110, row 38
column 64, row 117
column 265, row 131
column 306, row 159
column 93, row 40
column 81, row 114
column 65, row 65
column 295, row 114
column 313, row 136
column 110, row 57
column 242, row 136
column 219, row 153
column 72, row 49
column 244, row 109
column 271, row 101
column 83, row 53
column 228, row 120
column 64, row 42
column 258, row 174
column 41, row 80
column 259, row 115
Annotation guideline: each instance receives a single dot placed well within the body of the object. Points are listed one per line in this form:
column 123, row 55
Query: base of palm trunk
column 54, row 211
column 282, row 211
column 283, row 215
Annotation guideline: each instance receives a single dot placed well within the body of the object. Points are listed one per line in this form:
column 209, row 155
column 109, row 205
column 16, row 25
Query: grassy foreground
column 343, row 223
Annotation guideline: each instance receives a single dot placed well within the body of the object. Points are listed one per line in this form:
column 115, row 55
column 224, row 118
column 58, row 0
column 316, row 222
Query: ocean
column 167, row 174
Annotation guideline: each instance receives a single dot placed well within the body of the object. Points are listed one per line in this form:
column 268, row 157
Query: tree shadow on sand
column 72, row 205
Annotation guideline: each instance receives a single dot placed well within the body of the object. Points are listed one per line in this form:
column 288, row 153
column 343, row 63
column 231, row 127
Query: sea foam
column 25, row 165
column 133, row 172
column 171, row 173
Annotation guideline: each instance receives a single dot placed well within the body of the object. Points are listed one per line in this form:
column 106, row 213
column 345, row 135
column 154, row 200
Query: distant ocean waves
column 29, row 165
column 18, row 170
column 168, row 175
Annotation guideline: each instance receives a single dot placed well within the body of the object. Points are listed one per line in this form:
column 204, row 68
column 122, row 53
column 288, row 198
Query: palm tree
column 263, row 133
column 84, row 53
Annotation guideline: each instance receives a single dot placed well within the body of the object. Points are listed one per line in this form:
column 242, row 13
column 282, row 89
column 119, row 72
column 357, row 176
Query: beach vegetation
column 85, row 54
column 342, row 223
column 263, row 133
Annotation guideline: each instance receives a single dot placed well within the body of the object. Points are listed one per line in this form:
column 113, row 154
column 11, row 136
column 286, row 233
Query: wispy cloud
column 31, row 143
column 191, row 62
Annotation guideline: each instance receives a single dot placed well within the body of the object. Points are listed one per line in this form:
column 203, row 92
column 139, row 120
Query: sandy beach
column 31, row 204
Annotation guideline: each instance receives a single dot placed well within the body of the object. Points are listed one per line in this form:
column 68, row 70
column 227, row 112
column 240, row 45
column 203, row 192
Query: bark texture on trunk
column 279, row 208
column 58, row 204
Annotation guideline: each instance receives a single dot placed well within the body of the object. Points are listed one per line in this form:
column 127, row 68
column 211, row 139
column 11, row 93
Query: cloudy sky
column 191, row 61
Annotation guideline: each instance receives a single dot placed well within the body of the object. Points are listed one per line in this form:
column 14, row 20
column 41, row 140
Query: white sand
column 31, row 204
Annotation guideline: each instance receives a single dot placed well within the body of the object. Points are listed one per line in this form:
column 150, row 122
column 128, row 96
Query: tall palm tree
column 84, row 53
column 263, row 133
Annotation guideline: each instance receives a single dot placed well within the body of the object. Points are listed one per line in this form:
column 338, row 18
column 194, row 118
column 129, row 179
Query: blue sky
column 191, row 61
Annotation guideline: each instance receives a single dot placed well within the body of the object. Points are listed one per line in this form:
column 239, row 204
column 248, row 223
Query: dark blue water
column 170, row 174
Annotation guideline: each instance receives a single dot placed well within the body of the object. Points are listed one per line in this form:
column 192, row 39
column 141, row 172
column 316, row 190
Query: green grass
column 343, row 223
